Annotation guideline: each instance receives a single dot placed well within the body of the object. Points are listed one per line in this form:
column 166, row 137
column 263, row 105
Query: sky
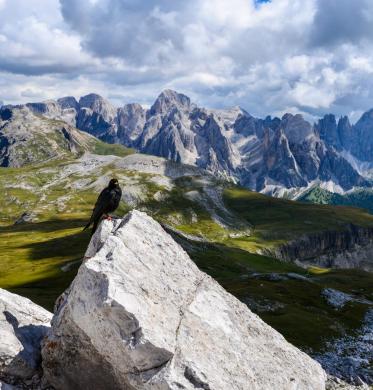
column 269, row 57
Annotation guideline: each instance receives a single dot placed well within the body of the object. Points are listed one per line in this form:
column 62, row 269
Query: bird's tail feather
column 94, row 227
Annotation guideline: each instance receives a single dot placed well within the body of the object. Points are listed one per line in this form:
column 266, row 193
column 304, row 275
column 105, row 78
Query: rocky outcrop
column 23, row 325
column 348, row 248
column 140, row 315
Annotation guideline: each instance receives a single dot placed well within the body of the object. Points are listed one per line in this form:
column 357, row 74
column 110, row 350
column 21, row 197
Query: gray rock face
column 297, row 130
column 68, row 102
column 28, row 138
column 345, row 132
column 357, row 139
column 168, row 100
column 350, row 248
column 361, row 142
column 23, row 325
column 131, row 121
column 280, row 163
column 52, row 109
column 140, row 315
column 329, row 132
column 96, row 116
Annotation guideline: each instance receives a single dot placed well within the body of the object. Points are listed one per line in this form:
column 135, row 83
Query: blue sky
column 307, row 56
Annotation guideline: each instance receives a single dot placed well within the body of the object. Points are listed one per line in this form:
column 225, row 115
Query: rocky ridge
column 271, row 155
column 27, row 138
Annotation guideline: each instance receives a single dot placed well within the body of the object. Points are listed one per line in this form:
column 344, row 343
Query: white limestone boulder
column 23, row 324
column 140, row 315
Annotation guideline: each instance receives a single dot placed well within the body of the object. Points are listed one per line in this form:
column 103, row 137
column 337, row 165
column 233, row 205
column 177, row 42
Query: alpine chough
column 107, row 202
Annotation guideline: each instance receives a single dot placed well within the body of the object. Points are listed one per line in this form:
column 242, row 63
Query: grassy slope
column 33, row 253
column 362, row 198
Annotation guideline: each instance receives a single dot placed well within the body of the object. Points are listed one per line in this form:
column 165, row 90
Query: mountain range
column 277, row 156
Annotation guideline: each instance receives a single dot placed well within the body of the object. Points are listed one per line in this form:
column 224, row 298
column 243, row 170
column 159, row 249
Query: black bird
column 107, row 202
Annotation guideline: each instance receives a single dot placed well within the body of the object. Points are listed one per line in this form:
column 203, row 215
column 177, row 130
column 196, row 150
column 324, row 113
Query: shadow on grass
column 44, row 226
column 71, row 246
column 49, row 241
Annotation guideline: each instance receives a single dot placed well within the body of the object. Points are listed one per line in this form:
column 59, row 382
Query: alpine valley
column 224, row 185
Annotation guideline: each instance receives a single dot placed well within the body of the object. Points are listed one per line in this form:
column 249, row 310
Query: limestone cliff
column 348, row 248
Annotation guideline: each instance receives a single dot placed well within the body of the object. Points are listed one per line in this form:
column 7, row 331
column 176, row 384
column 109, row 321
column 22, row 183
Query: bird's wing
column 102, row 200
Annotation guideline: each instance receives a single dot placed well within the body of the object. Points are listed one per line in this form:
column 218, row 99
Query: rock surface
column 23, row 325
column 140, row 315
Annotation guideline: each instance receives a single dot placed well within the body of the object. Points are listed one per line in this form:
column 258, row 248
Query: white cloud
column 312, row 56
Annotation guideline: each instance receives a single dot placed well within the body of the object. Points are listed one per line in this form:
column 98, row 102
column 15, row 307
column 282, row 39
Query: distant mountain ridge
column 27, row 138
column 277, row 156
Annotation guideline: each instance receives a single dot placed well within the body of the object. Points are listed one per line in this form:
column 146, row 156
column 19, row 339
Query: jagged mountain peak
column 290, row 116
column 368, row 115
column 92, row 100
column 230, row 115
column 169, row 99
column 68, row 102
column 96, row 115
column 328, row 130
column 344, row 119
column 296, row 128
column 133, row 107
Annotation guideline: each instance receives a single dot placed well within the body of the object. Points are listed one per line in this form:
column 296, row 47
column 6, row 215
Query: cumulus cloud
column 341, row 22
column 313, row 56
